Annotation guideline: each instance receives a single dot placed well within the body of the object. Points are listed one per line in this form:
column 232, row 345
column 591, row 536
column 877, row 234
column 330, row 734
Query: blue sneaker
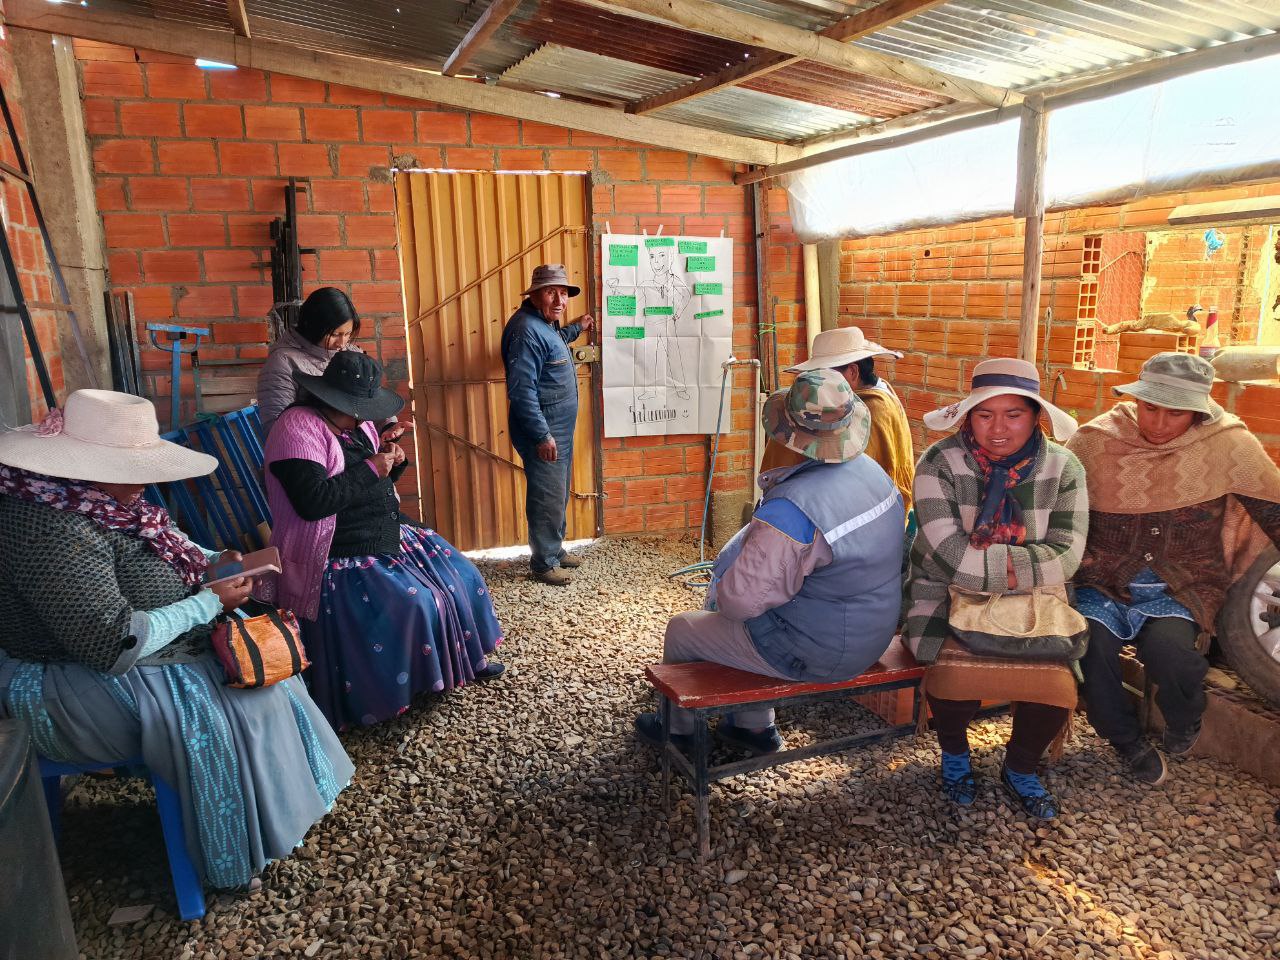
column 958, row 782
column 1027, row 792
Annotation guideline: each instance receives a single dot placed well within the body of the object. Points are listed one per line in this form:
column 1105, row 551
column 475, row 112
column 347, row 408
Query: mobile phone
column 260, row 561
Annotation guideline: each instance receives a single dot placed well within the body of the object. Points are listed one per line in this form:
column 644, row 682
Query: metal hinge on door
column 587, row 354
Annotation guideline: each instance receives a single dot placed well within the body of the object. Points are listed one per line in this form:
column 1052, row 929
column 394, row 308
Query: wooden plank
column 705, row 684
column 239, row 19
column 1262, row 209
column 112, row 26
column 1029, row 204
column 850, row 28
column 713, row 19
column 223, row 386
column 494, row 16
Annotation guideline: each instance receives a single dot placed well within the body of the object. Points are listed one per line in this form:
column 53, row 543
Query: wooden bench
column 711, row 689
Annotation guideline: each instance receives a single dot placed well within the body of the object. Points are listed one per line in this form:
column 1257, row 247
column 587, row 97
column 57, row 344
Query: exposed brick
column 239, row 332
column 110, row 194
column 107, row 79
column 521, row 160
column 543, row 135
column 124, row 267
column 353, row 96
column 100, row 117
column 437, row 127
column 348, row 265
column 356, row 161
column 186, row 156
column 197, row 230
column 286, row 89
column 123, row 156
column 232, row 264
column 149, row 119
column 243, row 159
column 488, row 130
column 371, row 231
column 175, row 81
column 272, row 123
column 466, row 158
column 316, row 230
column 386, row 126
column 222, row 194
column 158, row 193
column 331, row 123
column 205, row 301
column 220, row 120
column 329, row 196
column 305, row 160
column 238, row 84
column 133, row 231
column 171, row 266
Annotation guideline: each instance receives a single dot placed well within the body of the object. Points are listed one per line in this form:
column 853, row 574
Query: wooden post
column 1029, row 204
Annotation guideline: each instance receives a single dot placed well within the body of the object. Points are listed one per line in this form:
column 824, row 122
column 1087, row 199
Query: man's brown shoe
column 556, row 577
column 570, row 562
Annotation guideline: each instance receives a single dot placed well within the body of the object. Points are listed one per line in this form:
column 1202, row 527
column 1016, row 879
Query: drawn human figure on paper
column 661, row 364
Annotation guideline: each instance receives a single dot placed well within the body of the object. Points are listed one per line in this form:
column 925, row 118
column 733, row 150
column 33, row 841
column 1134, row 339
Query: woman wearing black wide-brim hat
column 388, row 609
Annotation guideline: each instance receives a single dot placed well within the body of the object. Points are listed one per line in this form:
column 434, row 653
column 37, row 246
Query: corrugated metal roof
column 577, row 73
column 1015, row 43
column 763, row 115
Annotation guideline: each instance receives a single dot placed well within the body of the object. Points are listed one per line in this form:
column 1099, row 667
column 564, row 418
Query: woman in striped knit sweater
column 1001, row 509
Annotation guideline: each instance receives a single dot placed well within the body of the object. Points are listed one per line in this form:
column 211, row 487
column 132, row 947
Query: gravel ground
column 520, row 819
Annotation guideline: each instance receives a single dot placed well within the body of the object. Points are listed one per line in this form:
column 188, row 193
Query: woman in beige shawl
column 1182, row 499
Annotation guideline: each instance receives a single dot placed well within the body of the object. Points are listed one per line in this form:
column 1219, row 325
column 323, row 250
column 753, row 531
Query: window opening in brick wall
column 1083, row 354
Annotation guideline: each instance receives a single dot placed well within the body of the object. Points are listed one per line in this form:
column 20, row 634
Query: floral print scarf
column 1000, row 517
column 140, row 519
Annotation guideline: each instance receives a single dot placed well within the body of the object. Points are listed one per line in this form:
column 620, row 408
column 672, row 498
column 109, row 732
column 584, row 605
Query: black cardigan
column 368, row 512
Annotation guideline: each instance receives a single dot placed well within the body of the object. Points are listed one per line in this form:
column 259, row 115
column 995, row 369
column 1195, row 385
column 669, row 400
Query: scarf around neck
column 1000, row 517
column 141, row 519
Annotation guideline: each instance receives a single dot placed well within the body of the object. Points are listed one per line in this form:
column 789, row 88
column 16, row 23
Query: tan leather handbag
column 1039, row 625
column 262, row 650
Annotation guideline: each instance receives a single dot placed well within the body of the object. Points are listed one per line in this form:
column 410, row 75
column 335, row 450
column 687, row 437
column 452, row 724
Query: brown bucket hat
column 551, row 275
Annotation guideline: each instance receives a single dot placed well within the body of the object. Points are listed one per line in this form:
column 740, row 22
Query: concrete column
column 58, row 153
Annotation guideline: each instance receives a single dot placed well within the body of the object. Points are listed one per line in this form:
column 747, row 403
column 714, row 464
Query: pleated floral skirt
column 391, row 627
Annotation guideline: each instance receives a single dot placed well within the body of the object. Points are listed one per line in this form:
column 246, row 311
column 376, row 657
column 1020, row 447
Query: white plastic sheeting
column 1204, row 129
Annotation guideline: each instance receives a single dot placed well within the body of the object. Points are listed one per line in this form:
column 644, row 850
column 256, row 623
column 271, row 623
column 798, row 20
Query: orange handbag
column 262, row 650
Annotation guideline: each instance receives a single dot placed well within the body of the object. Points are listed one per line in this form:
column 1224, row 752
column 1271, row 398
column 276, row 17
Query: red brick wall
column 27, row 246
column 950, row 297
column 189, row 165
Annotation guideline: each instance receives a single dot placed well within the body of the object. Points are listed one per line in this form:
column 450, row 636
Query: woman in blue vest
column 811, row 588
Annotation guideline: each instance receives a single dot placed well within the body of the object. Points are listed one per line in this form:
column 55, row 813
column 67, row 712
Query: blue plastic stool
column 186, row 882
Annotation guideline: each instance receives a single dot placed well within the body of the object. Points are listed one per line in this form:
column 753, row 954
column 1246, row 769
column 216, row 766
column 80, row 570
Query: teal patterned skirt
column 254, row 769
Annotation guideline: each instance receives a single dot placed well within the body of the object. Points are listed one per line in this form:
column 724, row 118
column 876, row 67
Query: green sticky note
column 693, row 246
column 630, row 333
column 701, row 264
column 623, row 254
column 620, row 306
column 651, row 242
column 707, row 289
column 659, row 311
column 708, row 314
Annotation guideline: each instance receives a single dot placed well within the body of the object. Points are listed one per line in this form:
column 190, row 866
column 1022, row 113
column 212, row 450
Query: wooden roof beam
column 494, row 16
column 862, row 24
column 186, row 40
column 714, row 20
column 239, row 18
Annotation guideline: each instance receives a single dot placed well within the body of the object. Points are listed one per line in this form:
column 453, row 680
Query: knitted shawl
column 301, row 434
column 1129, row 475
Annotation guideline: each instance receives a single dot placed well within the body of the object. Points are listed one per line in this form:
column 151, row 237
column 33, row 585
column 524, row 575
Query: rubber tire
column 1236, row 636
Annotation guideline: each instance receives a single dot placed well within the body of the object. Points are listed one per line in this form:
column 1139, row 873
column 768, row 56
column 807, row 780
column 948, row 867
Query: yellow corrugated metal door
column 468, row 243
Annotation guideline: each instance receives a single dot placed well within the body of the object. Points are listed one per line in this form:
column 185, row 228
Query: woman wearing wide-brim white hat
column 1002, row 377
column 105, row 614
column 104, row 437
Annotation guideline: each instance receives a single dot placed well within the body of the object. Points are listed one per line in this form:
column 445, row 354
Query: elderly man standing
column 542, row 397
column 849, row 353
column 811, row 588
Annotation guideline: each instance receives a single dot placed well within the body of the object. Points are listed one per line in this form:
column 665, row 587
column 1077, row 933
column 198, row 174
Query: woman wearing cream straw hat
column 811, row 588
column 1182, row 500
column 104, row 639
column 1001, row 509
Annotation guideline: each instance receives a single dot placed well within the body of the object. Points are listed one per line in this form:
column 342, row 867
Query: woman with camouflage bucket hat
column 1182, row 499
column 810, row 589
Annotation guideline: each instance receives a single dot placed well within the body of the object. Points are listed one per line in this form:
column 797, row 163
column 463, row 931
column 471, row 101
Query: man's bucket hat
column 1177, row 381
column 820, row 417
column 551, row 275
